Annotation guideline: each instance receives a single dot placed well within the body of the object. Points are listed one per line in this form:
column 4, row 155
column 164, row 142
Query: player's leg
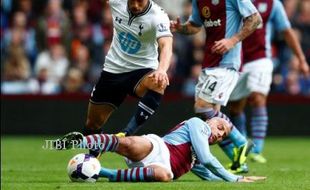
column 259, row 80
column 97, row 115
column 107, row 95
column 137, row 149
column 134, row 148
column 239, row 120
column 237, row 115
column 237, row 102
column 105, row 98
column 145, row 155
column 213, row 89
column 259, row 124
column 151, row 95
column 136, row 174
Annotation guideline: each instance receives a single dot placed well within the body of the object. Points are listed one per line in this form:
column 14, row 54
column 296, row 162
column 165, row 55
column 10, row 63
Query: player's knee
column 152, row 85
column 134, row 148
column 162, row 175
column 235, row 110
column 257, row 99
column 202, row 104
column 156, row 88
column 127, row 144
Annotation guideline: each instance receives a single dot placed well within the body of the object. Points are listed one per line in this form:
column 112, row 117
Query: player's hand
column 249, row 179
column 160, row 78
column 175, row 25
column 304, row 68
column 223, row 46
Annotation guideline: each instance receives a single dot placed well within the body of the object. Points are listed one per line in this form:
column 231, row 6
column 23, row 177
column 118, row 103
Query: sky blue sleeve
column 245, row 7
column 199, row 133
column 195, row 17
column 203, row 173
column 278, row 17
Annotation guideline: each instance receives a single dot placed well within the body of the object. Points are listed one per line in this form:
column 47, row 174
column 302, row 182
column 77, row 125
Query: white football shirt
column 134, row 45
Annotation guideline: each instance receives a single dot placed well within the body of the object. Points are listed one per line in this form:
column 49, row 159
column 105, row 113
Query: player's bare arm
column 165, row 48
column 292, row 41
column 249, row 26
column 187, row 28
column 249, row 179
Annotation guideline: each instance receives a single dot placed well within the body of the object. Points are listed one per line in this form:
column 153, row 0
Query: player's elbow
column 206, row 163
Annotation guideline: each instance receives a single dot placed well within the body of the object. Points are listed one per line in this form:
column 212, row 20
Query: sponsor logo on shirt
column 129, row 43
column 212, row 23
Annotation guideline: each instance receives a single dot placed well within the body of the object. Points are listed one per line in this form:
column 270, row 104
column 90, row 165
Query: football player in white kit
column 131, row 65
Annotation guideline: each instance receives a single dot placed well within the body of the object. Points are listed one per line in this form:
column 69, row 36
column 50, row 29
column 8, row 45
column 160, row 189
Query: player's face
column 137, row 6
column 219, row 130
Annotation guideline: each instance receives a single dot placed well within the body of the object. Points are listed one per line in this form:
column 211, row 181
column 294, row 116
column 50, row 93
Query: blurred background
column 52, row 53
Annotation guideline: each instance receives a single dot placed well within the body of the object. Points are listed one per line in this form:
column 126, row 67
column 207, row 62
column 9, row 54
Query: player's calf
column 146, row 108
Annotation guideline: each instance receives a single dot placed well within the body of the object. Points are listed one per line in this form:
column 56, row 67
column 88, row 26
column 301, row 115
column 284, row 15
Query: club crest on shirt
column 215, row 2
column 206, row 12
column 140, row 29
column 262, row 7
column 162, row 27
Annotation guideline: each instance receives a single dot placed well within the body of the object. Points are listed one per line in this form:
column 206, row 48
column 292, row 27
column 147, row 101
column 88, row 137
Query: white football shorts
column 159, row 156
column 216, row 84
column 256, row 76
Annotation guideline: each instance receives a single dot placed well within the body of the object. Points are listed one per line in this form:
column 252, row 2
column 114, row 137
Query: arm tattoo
column 249, row 25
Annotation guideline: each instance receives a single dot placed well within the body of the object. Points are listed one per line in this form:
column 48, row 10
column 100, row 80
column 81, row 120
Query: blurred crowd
column 59, row 46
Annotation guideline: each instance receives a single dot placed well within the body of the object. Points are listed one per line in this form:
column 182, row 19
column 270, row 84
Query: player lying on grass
column 151, row 158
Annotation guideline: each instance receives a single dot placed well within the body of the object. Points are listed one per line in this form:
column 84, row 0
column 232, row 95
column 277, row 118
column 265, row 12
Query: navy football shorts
column 113, row 88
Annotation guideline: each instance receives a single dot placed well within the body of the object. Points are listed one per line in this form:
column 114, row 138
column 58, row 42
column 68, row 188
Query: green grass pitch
column 25, row 165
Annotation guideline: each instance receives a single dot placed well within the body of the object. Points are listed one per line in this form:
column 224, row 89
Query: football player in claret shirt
column 227, row 23
column 151, row 158
column 254, row 84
